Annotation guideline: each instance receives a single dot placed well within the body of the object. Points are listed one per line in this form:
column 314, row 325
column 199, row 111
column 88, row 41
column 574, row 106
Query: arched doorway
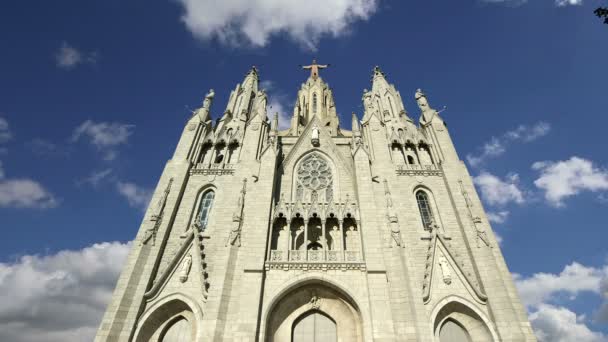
column 314, row 326
column 458, row 321
column 313, row 312
column 453, row 332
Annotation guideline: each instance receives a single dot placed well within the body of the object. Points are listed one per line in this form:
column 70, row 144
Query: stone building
column 315, row 233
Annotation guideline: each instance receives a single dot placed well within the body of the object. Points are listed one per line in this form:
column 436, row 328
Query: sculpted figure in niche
column 334, row 233
column 283, row 239
column 315, row 136
column 352, row 243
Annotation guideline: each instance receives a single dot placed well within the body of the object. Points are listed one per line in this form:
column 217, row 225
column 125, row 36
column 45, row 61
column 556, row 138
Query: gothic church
column 315, row 233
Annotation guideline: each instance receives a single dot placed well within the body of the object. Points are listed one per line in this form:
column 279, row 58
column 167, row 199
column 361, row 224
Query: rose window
column 314, row 173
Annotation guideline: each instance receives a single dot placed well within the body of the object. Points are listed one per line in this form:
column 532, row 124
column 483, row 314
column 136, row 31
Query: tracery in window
column 424, row 206
column 205, row 209
column 314, row 175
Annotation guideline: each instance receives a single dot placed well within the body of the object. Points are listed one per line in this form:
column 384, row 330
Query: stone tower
column 315, row 233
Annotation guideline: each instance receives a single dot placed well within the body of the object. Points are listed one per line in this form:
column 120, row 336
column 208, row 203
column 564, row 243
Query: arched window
column 315, row 327
column 178, row 331
column 205, row 209
column 314, row 103
column 424, row 206
column 453, row 332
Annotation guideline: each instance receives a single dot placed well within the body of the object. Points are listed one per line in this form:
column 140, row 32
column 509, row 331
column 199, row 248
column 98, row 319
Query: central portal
column 314, row 312
column 314, row 327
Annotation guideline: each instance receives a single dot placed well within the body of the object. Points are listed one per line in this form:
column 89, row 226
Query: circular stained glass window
column 314, row 172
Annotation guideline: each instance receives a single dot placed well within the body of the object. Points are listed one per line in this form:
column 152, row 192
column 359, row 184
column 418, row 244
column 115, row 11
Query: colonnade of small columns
column 411, row 154
column 316, row 236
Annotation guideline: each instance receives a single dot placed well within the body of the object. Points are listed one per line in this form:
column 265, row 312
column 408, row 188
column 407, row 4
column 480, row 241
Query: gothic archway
column 457, row 320
column 317, row 305
column 170, row 319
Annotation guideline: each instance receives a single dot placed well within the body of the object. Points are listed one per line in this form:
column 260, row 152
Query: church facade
column 315, row 233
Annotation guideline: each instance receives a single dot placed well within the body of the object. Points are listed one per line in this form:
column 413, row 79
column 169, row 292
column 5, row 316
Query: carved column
column 324, row 239
column 306, row 238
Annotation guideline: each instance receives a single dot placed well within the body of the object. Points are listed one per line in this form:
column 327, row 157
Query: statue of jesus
column 314, row 68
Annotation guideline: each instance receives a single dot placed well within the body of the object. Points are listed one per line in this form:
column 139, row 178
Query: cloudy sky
column 94, row 95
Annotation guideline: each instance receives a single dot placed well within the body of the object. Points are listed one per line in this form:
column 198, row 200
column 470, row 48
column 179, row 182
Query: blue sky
column 94, row 95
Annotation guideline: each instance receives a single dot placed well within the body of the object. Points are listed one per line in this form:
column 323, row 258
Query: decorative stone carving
column 476, row 222
column 185, row 271
column 392, row 219
column 162, row 201
column 314, row 138
column 445, row 270
column 315, row 302
column 428, row 113
column 150, row 233
column 237, row 218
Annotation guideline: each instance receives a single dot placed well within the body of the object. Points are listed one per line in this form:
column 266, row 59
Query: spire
column 355, row 123
column 275, row 122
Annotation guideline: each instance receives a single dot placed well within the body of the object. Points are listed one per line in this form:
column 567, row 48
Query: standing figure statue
column 237, row 218
column 314, row 68
column 208, row 99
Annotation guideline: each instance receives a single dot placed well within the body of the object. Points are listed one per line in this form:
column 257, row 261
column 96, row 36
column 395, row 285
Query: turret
column 435, row 130
column 315, row 98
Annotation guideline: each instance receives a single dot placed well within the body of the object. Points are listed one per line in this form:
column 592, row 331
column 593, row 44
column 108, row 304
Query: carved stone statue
column 262, row 100
column 427, row 112
column 445, row 270
column 334, row 233
column 237, row 218
column 160, row 205
column 186, row 266
column 314, row 138
column 314, row 68
column 367, row 99
column 391, row 216
column 208, row 99
column 282, row 239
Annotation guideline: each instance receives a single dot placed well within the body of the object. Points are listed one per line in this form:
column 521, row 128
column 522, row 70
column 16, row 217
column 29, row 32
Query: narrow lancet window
column 424, row 206
column 314, row 103
column 205, row 209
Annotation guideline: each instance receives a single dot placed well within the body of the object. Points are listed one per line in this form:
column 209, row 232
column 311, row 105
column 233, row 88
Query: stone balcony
column 315, row 260
column 419, row 170
column 213, row 169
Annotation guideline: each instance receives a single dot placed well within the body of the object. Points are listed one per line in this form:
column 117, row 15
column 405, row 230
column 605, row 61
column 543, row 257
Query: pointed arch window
column 314, row 103
column 424, row 206
column 205, row 209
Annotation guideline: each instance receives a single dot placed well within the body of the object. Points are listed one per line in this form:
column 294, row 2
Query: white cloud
column 137, row 196
column 25, row 193
column 59, row 297
column 5, row 133
column 496, row 191
column 574, row 278
column 498, row 216
column 562, row 3
column 566, row 178
column 277, row 104
column 95, row 177
column 68, row 57
column 104, row 135
column 497, row 146
column 553, row 323
column 253, row 22
column 559, row 324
